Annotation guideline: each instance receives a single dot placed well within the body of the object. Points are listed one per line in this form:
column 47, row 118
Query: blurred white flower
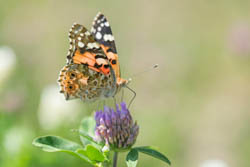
column 213, row 163
column 54, row 109
column 14, row 139
column 7, row 61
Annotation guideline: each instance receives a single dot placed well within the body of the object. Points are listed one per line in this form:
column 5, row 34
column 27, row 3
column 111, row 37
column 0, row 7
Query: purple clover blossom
column 116, row 128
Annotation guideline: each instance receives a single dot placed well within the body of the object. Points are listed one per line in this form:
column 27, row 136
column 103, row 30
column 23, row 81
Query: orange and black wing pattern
column 88, row 74
column 102, row 33
column 85, row 50
column 92, row 71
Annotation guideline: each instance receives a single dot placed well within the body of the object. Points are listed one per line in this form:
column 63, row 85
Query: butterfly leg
column 132, row 97
column 114, row 101
column 122, row 96
column 104, row 102
column 99, row 105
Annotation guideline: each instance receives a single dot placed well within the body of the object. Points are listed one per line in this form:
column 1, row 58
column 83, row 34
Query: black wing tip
column 99, row 14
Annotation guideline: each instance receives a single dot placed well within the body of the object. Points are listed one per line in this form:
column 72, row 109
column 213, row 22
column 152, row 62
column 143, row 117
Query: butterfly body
column 92, row 71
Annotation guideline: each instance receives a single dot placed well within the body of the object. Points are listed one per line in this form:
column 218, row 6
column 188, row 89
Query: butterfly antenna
column 133, row 96
column 147, row 70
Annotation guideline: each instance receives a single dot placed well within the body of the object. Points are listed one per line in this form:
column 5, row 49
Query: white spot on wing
column 95, row 45
column 98, row 35
column 93, row 30
column 102, row 24
column 105, row 37
column 87, row 33
column 99, row 29
column 106, row 24
column 81, row 34
column 80, row 44
column 92, row 45
column 79, row 38
column 89, row 45
column 111, row 37
column 108, row 37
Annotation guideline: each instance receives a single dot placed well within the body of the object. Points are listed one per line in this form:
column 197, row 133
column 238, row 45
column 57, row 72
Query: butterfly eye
column 73, row 74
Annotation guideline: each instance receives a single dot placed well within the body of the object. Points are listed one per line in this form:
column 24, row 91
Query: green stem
column 115, row 159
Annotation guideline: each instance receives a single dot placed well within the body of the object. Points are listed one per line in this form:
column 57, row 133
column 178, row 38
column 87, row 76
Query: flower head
column 116, row 128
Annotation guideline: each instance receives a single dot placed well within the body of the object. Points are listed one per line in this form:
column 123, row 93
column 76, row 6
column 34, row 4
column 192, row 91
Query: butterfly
column 92, row 70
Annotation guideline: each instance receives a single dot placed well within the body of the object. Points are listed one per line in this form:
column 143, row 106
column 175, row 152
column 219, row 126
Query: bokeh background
column 195, row 107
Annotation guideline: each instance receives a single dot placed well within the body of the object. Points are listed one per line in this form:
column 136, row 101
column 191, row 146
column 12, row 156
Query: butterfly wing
column 79, row 81
column 88, row 74
column 71, row 81
column 85, row 50
column 102, row 33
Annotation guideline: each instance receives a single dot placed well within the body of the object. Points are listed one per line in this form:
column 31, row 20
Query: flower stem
column 115, row 159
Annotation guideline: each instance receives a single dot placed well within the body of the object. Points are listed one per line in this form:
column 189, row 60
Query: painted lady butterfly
column 92, row 71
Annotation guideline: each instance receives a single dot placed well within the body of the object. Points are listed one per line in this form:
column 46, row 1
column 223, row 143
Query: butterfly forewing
column 102, row 33
column 85, row 50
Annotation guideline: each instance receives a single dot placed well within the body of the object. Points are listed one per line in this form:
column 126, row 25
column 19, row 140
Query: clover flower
column 116, row 128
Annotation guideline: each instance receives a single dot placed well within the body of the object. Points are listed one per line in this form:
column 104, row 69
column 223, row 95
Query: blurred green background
column 195, row 107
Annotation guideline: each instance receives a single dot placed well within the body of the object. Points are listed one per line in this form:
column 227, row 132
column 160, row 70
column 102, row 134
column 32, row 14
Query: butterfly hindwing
column 79, row 81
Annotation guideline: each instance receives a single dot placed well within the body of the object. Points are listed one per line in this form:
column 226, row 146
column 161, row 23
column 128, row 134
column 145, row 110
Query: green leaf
column 55, row 143
column 92, row 153
column 88, row 126
column 132, row 158
column 153, row 152
column 87, row 139
column 58, row 144
column 86, row 131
